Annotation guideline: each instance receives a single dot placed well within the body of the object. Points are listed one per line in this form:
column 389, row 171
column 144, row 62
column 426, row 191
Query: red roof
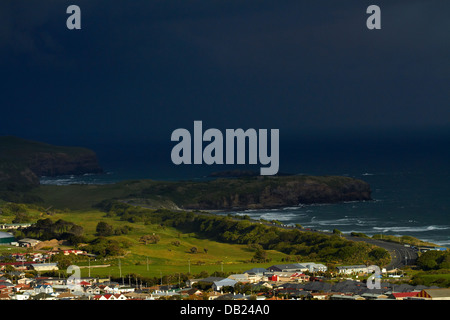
column 298, row 275
column 405, row 294
column 16, row 263
column 107, row 296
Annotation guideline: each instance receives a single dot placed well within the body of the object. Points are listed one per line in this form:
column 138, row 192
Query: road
column 400, row 255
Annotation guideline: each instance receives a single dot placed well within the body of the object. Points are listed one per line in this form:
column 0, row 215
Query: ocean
column 410, row 183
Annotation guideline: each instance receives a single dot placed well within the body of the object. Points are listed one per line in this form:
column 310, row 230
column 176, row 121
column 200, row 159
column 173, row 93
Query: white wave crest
column 412, row 229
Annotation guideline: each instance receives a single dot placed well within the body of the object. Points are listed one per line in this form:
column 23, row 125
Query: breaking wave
column 412, row 229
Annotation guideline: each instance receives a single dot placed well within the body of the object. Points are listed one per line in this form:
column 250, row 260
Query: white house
column 44, row 266
column 314, row 267
column 43, row 288
column 110, row 297
column 22, row 296
column 109, row 289
column 239, row 277
column 352, row 269
column 218, row 285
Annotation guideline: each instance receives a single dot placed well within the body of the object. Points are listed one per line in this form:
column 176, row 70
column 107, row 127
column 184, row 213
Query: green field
column 164, row 257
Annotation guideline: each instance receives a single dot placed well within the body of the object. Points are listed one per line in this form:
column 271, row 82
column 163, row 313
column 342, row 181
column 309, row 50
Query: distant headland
column 23, row 162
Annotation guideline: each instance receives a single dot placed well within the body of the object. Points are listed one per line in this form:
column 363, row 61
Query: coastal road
column 400, row 255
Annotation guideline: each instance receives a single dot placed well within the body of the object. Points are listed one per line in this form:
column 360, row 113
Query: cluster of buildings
column 278, row 282
column 299, row 281
column 36, row 261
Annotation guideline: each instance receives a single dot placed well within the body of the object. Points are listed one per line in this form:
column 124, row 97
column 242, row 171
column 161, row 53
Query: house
column 6, row 289
column 136, row 296
column 87, row 281
column 21, row 287
column 4, row 279
column 404, row 295
column 4, row 296
column 44, row 266
column 23, row 296
column 191, row 292
column 43, row 288
column 373, row 296
column 27, row 242
column 255, row 277
column 50, row 280
column 240, row 277
column 320, row 295
column 295, row 267
column 24, row 265
column 352, row 269
column 284, row 276
column 258, row 271
column 118, row 296
column 94, row 290
column 273, row 278
column 435, row 294
column 190, row 282
column 227, row 282
column 17, row 274
column 75, row 252
column 66, row 296
column 107, row 289
column 126, row 289
column 299, row 277
column 25, row 281
column 314, row 267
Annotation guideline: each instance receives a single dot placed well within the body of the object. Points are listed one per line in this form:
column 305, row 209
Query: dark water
column 410, row 181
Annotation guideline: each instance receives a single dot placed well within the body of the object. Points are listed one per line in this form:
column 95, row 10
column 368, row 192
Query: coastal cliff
column 260, row 192
column 23, row 162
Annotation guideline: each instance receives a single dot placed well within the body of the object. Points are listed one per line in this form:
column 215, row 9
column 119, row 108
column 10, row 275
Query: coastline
column 391, row 212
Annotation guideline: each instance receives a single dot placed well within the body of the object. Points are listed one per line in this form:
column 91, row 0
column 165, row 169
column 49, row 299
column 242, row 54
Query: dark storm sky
column 140, row 69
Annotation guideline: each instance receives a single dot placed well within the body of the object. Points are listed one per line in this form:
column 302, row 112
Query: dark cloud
column 140, row 69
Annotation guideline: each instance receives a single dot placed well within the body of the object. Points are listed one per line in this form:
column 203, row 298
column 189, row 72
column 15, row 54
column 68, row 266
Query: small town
column 23, row 277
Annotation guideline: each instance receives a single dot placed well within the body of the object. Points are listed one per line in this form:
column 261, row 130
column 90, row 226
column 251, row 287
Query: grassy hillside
column 163, row 257
column 222, row 243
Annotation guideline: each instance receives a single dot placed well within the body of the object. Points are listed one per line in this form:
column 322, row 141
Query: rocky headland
column 23, row 162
